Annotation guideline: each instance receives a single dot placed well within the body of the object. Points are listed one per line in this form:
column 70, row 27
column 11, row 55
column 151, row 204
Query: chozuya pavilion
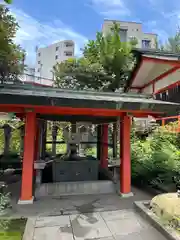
column 37, row 104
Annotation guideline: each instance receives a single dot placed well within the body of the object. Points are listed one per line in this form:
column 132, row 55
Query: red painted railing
column 168, row 123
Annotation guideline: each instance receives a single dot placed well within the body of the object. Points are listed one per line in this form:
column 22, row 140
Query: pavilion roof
column 48, row 96
column 151, row 65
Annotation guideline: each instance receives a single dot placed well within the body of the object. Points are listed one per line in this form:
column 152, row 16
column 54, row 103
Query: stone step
column 74, row 188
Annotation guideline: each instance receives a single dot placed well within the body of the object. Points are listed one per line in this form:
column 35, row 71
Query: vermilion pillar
column 28, row 159
column 125, row 157
column 104, row 146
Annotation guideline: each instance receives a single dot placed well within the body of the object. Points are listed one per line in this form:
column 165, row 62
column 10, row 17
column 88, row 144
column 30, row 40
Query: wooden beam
column 20, row 108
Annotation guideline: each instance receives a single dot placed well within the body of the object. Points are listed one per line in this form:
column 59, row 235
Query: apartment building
column 129, row 30
column 48, row 56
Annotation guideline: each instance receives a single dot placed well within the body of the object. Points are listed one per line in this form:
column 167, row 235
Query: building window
column 39, row 54
column 123, row 35
column 146, row 43
column 56, row 57
column 39, row 62
column 57, row 48
column 68, row 44
column 68, row 53
column 38, row 69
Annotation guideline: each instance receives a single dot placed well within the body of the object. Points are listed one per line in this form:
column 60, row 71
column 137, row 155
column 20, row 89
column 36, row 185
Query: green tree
column 105, row 64
column 80, row 74
column 11, row 55
column 173, row 44
column 8, row 1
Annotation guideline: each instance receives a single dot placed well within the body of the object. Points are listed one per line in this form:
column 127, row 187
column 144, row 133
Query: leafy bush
column 156, row 160
column 5, row 200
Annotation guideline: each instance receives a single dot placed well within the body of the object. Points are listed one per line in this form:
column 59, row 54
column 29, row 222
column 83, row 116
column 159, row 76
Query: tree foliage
column 8, row 1
column 11, row 55
column 171, row 45
column 156, row 160
column 105, row 64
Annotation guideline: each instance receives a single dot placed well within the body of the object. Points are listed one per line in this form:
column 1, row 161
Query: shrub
column 156, row 160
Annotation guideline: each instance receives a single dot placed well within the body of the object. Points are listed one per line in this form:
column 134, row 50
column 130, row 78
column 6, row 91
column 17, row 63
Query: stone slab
column 89, row 226
column 52, row 221
column 54, row 233
column 117, row 225
column 143, row 235
column 29, row 229
column 118, row 215
column 124, row 226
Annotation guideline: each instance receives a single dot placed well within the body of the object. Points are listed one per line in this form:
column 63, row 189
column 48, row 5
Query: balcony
column 68, row 45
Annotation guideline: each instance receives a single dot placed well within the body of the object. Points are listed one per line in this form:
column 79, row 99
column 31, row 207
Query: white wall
column 133, row 30
column 47, row 58
column 150, row 36
column 148, row 89
column 163, row 83
column 168, row 80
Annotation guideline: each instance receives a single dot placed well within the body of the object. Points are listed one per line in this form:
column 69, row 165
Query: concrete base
column 126, row 195
column 142, row 207
column 25, row 202
column 75, row 188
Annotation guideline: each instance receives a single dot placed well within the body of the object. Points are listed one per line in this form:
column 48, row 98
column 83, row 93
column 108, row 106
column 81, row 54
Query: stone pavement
column 109, row 225
column 85, row 217
column 68, row 205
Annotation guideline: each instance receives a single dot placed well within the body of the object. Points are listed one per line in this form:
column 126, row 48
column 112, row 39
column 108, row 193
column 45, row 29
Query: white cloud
column 33, row 33
column 111, row 8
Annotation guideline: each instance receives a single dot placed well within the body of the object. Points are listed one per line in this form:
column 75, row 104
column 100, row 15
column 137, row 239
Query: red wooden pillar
column 163, row 122
column 104, row 146
column 125, row 157
column 28, row 159
column 178, row 130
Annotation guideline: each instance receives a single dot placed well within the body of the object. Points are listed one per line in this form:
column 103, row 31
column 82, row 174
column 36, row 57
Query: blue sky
column 43, row 22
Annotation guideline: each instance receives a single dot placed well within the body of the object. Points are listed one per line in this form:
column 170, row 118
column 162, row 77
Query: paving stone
column 87, row 218
column 52, row 221
column 54, row 233
column 89, row 226
column 124, row 226
column 150, row 234
column 104, row 238
column 120, row 214
column 130, row 236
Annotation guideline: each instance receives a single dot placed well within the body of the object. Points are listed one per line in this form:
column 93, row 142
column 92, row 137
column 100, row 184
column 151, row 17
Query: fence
column 36, row 80
column 168, row 123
